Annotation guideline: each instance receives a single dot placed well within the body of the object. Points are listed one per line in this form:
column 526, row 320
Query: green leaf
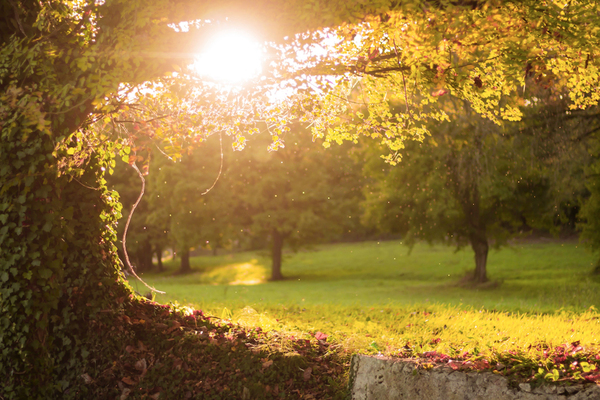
column 586, row 367
column 554, row 375
column 45, row 273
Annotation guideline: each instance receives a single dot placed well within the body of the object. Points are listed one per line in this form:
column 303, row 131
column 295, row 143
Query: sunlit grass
column 374, row 297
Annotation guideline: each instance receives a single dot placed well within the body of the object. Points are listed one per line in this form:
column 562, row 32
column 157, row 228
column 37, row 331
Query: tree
column 65, row 65
column 298, row 195
column 470, row 183
column 192, row 199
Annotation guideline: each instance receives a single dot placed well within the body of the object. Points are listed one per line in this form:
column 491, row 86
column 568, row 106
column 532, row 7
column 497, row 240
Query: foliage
column 412, row 53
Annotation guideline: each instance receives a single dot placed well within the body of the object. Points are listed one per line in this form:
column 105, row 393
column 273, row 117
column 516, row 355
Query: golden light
column 230, row 57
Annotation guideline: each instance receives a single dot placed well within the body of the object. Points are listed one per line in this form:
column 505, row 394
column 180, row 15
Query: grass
column 374, row 297
column 535, row 278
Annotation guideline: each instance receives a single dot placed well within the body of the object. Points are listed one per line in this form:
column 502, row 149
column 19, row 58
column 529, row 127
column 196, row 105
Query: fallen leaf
column 245, row 393
column 178, row 363
column 267, row 364
column 321, row 336
column 128, row 380
column 87, row 379
column 125, row 394
column 141, row 365
column 307, row 373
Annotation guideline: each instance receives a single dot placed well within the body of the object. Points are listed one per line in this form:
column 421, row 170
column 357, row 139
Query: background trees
column 471, row 182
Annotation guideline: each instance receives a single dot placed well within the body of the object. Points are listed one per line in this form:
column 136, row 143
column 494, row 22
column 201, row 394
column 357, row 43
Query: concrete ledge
column 380, row 378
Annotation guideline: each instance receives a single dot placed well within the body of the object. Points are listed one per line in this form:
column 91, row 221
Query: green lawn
column 374, row 297
column 534, row 278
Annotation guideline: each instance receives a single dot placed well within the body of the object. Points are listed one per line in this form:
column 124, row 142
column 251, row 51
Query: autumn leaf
column 87, row 379
column 141, row 365
column 307, row 373
column 127, row 380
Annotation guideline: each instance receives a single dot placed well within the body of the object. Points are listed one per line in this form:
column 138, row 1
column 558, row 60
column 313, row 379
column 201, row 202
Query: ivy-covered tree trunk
column 276, row 252
column 56, row 241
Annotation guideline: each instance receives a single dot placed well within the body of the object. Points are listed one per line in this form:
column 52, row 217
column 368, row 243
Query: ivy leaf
column 45, row 273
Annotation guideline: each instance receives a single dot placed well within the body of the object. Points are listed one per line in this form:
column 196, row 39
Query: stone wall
column 380, row 378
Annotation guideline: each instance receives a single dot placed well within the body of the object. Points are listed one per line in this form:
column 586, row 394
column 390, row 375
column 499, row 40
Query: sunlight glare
column 231, row 56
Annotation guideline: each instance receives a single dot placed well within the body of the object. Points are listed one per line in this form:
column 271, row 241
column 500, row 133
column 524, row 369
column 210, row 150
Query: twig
column 127, row 228
column 17, row 17
column 83, row 184
column 220, row 168
column 403, row 81
column 146, row 121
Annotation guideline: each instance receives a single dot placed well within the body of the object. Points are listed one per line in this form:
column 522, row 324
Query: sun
column 230, row 57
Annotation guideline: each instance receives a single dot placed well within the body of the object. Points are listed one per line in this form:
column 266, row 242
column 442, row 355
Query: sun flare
column 231, row 56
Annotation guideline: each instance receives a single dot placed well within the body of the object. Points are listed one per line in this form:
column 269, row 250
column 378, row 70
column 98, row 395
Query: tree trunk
column 480, row 246
column 276, row 251
column 159, row 262
column 184, row 266
column 143, row 257
column 466, row 191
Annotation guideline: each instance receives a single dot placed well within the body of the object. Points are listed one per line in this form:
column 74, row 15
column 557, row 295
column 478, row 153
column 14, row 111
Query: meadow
column 531, row 278
column 375, row 297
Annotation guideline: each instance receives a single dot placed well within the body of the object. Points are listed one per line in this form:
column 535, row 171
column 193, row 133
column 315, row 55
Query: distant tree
column 589, row 214
column 298, row 195
column 471, row 183
column 180, row 199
